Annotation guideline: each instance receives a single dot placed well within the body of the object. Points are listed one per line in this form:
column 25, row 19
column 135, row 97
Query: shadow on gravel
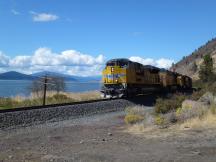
column 145, row 100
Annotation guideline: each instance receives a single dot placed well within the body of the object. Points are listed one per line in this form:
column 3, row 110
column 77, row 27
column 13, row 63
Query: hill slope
column 54, row 74
column 13, row 75
column 189, row 65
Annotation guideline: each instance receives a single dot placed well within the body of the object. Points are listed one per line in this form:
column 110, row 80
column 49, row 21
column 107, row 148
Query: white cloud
column 43, row 17
column 45, row 57
column 4, row 60
column 70, row 62
column 67, row 62
column 15, row 12
column 161, row 63
column 147, row 61
column 20, row 61
column 164, row 63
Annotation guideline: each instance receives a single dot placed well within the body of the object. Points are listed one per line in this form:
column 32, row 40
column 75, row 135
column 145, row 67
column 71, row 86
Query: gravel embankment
column 31, row 117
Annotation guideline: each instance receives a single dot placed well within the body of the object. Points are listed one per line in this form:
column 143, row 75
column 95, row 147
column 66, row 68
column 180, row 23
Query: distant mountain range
column 13, row 75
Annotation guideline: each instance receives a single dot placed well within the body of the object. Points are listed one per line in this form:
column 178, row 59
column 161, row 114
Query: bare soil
column 104, row 138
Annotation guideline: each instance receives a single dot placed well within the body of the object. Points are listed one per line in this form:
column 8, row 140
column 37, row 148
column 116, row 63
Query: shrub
column 196, row 95
column 178, row 111
column 159, row 120
column 135, row 114
column 136, row 110
column 191, row 109
column 170, row 117
column 133, row 118
column 166, row 105
column 60, row 97
column 213, row 109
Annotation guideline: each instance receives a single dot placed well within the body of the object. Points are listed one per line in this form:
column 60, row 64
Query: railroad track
column 27, row 116
column 50, row 105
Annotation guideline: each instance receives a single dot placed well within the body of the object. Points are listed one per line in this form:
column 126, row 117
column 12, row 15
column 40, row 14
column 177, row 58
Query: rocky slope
column 189, row 65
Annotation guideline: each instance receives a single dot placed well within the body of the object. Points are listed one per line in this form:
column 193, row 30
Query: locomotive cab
column 114, row 78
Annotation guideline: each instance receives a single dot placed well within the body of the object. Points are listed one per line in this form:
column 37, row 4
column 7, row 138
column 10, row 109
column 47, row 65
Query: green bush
column 197, row 94
column 159, row 120
column 165, row 105
column 208, row 86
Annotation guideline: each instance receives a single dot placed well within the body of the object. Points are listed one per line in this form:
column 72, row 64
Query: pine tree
column 194, row 67
column 206, row 73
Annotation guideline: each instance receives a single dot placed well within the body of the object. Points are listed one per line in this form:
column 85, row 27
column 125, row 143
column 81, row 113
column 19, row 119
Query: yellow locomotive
column 122, row 77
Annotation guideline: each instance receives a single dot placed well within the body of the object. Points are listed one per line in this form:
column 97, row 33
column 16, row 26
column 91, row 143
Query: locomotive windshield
column 122, row 63
column 110, row 64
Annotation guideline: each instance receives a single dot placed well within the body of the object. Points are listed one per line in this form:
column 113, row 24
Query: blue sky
column 144, row 30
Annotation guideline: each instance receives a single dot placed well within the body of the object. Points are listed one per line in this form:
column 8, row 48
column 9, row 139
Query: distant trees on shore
column 52, row 84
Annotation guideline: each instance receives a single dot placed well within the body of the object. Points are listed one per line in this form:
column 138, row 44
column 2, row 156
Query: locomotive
column 125, row 78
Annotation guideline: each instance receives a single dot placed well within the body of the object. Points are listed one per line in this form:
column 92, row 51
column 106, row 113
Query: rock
column 81, row 141
column 10, row 156
column 109, row 134
column 103, row 139
column 196, row 152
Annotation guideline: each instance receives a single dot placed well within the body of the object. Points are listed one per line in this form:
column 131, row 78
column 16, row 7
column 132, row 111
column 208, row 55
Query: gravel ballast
column 51, row 114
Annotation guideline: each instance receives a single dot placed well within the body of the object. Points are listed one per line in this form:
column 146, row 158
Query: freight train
column 125, row 78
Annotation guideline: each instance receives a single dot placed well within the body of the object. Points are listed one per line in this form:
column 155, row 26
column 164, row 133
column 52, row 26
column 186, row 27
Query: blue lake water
column 10, row 88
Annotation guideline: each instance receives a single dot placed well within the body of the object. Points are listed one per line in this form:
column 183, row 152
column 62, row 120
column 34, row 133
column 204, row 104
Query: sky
column 77, row 37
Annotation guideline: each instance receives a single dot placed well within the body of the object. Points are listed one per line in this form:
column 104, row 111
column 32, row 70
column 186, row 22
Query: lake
column 10, row 88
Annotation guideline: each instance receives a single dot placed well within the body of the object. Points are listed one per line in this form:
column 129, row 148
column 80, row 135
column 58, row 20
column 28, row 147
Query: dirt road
column 104, row 138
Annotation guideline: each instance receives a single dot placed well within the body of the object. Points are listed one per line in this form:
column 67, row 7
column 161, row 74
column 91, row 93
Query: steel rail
column 52, row 105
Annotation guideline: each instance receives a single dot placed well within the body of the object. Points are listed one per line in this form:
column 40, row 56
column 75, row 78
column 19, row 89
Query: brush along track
column 40, row 114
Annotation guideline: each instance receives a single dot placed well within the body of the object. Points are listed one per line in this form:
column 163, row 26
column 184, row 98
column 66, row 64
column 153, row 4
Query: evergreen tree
column 194, row 67
column 206, row 73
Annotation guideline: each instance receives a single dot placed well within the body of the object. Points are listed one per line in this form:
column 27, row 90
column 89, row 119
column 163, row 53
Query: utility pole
column 45, row 88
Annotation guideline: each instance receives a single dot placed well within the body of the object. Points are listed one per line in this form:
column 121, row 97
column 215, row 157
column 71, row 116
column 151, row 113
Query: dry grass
column 81, row 96
column 133, row 118
column 140, row 128
column 192, row 118
column 205, row 122
column 35, row 99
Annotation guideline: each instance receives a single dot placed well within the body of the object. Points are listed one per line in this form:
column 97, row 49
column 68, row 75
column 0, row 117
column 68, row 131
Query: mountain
column 68, row 77
column 89, row 78
column 13, row 75
column 54, row 74
column 190, row 64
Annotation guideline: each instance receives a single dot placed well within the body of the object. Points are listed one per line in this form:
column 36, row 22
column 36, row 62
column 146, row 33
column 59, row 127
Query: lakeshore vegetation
column 35, row 99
